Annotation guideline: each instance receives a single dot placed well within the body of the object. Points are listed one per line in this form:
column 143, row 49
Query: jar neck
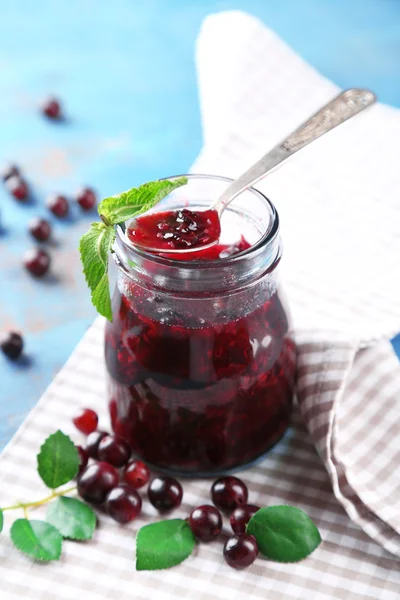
column 224, row 275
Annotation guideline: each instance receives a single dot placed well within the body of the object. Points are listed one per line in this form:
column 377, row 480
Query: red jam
column 199, row 397
column 178, row 229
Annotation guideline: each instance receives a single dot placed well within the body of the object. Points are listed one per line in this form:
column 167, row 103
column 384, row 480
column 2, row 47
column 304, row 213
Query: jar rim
column 268, row 237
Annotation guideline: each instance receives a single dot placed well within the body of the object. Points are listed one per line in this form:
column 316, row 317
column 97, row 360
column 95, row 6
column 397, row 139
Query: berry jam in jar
column 199, row 354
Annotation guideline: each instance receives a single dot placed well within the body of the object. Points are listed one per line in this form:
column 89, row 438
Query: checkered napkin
column 337, row 202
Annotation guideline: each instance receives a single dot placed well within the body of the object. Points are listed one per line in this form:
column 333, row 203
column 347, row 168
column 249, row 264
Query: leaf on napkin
column 37, row 539
column 58, row 460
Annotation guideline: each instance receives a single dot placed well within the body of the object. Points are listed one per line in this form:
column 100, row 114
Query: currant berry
column 58, row 205
column 51, row 108
column 86, row 421
column 92, row 443
column 229, row 492
column 206, row 522
column 136, row 474
column 241, row 516
column 37, row 262
column 86, row 198
column 10, row 171
column 123, row 504
column 165, row 493
column 11, row 344
column 114, row 450
column 17, row 187
column 241, row 551
column 83, row 459
column 96, row 481
column 39, row 229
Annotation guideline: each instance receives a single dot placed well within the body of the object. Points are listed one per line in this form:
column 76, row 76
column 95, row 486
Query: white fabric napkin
column 339, row 204
column 250, row 87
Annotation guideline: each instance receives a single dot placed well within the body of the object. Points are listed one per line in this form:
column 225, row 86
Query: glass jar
column 199, row 354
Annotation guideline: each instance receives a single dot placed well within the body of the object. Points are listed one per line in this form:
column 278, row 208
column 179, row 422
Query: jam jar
column 199, row 353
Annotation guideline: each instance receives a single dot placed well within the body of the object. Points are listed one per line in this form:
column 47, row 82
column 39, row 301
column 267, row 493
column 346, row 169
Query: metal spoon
column 345, row 106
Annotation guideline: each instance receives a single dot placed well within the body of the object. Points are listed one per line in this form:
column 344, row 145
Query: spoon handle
column 348, row 104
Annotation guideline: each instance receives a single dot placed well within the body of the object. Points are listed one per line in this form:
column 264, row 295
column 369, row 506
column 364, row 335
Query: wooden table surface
column 126, row 75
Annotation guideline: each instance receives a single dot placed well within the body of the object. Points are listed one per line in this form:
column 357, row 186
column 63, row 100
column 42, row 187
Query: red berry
column 86, row 421
column 51, row 107
column 11, row 344
column 58, row 205
column 228, row 492
column 241, row 551
column 123, row 504
column 136, row 474
column 241, row 516
column 39, row 229
column 37, row 262
column 17, row 187
column 86, row 198
column 83, row 459
column 10, row 171
column 114, row 450
column 206, row 522
column 96, row 481
column 92, row 443
column 165, row 493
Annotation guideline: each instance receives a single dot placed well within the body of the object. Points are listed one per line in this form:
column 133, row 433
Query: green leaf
column 1, row 520
column 58, row 460
column 73, row 519
column 131, row 203
column 164, row 544
column 284, row 533
column 37, row 539
column 95, row 246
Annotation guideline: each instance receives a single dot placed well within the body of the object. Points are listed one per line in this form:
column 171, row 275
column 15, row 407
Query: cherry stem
column 25, row 505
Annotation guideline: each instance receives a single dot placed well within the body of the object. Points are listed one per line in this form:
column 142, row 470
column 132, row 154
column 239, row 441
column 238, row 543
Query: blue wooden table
column 125, row 72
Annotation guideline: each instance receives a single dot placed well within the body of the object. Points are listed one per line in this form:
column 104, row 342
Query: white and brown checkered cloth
column 339, row 206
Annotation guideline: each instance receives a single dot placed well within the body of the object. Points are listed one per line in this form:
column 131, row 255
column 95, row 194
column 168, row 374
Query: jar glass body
column 199, row 354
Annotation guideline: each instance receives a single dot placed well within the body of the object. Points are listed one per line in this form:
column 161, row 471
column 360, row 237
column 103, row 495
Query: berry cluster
column 37, row 260
column 113, row 479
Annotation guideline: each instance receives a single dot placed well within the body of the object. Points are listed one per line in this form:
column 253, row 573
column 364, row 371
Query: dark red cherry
column 92, row 443
column 229, row 492
column 37, row 262
column 241, row 516
column 12, row 344
column 40, row 229
column 114, row 450
column 51, row 108
column 241, row 551
column 96, row 481
column 86, row 198
column 165, row 493
column 136, row 474
column 123, row 503
column 206, row 522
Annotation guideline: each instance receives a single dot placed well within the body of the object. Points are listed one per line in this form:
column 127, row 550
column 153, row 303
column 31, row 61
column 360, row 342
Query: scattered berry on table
column 83, row 459
column 229, row 492
column 51, row 108
column 96, row 481
column 37, row 262
column 40, row 229
column 17, row 187
column 206, row 522
column 92, row 443
column 114, row 450
column 241, row 551
column 136, row 474
column 58, row 205
column 11, row 344
column 86, row 421
column 10, row 171
column 123, row 503
column 241, row 516
column 86, row 198
column 165, row 493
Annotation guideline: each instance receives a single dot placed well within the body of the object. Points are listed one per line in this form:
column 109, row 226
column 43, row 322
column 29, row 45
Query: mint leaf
column 58, row 460
column 73, row 519
column 131, row 203
column 1, row 520
column 164, row 544
column 94, row 247
column 284, row 533
column 37, row 539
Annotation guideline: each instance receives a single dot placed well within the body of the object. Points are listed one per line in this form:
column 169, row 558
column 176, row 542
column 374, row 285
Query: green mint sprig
column 67, row 518
column 96, row 244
